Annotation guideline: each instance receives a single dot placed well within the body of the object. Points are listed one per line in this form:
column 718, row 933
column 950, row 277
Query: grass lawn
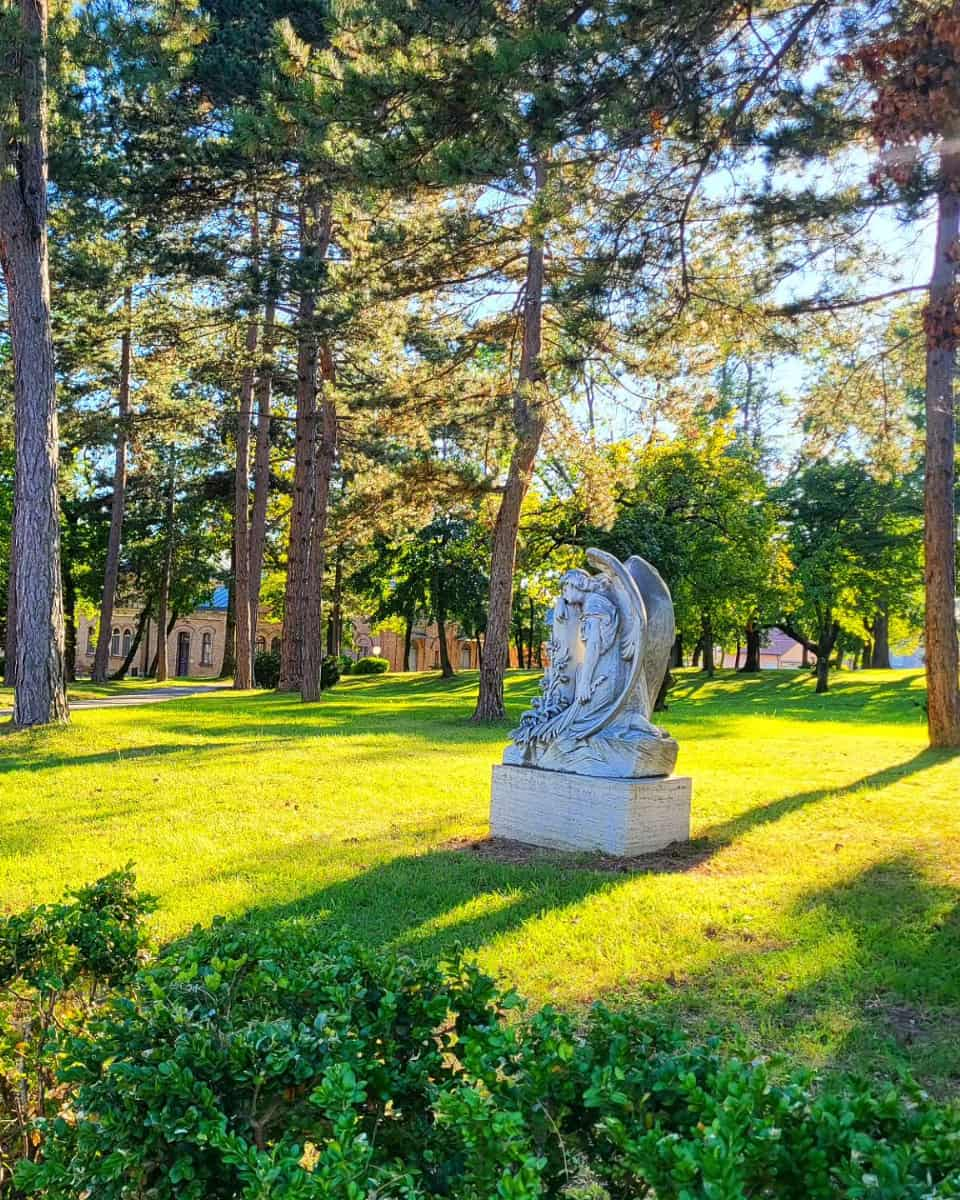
column 816, row 908
column 83, row 689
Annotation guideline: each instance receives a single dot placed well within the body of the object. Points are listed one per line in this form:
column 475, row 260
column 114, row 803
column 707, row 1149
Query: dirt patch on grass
column 677, row 858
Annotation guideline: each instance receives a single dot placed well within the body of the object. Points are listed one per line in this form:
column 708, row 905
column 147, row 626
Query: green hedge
column 370, row 666
column 266, row 669
column 243, row 1067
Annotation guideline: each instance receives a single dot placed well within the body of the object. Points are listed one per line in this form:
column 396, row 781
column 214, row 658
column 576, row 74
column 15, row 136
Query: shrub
column 329, row 671
column 371, row 666
column 266, row 668
column 240, row 1067
column 58, row 963
column 346, row 664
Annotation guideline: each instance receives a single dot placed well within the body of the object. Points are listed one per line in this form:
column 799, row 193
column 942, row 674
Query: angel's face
column 571, row 592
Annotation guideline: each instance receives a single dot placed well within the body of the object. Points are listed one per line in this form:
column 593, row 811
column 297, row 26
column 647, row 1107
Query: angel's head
column 576, row 583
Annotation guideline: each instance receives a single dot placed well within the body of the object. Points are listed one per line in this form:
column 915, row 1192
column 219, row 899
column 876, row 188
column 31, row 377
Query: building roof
column 218, row 600
column 778, row 643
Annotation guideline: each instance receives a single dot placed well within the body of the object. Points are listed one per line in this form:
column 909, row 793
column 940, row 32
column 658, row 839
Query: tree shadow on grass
column 120, row 754
column 865, row 981
column 424, row 904
column 726, row 832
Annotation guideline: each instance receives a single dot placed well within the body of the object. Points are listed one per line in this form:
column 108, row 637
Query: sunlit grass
column 817, row 907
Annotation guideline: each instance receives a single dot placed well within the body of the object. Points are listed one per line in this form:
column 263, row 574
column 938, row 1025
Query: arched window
column 206, row 650
column 275, row 645
column 127, row 641
column 261, row 644
column 115, row 643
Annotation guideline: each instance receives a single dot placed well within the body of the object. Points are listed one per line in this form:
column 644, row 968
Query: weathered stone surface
column 609, row 650
column 564, row 811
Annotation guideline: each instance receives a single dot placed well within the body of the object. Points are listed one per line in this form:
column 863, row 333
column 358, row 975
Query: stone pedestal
column 623, row 817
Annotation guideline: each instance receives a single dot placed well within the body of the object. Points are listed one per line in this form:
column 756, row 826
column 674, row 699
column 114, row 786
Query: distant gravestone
column 588, row 769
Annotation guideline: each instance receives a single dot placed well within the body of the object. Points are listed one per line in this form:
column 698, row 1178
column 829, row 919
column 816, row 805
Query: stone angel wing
column 661, row 629
column 633, row 623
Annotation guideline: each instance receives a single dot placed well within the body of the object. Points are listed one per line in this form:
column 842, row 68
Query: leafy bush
column 329, row 671
column 266, row 668
column 371, row 666
column 58, row 963
column 237, row 1068
column 346, row 664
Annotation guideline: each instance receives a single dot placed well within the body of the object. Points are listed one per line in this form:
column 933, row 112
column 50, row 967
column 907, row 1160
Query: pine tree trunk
column 10, row 646
column 479, row 651
column 736, row 657
column 243, row 671
column 880, row 656
column 529, row 423
column 261, row 464
column 839, row 653
column 69, row 619
column 751, row 662
column 229, row 662
column 940, row 624
column 314, row 237
column 317, row 555
column 124, row 667
column 161, row 674
column 676, row 652
column 111, row 575
column 40, row 696
column 333, row 625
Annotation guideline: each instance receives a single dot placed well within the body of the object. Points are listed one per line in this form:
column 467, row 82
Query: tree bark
column 229, row 663
column 440, row 612
column 828, row 636
column 736, row 657
column 676, row 652
column 697, row 650
column 111, row 574
column 40, row 696
column 707, row 640
column 161, row 672
column 880, row 656
column 940, row 624
column 751, row 662
column 317, row 555
column 660, row 705
column 529, row 422
column 261, row 464
column 333, row 625
column 69, row 619
column 10, row 646
column 162, row 641
column 314, row 239
column 839, row 653
column 407, row 643
column 243, row 671
column 124, row 667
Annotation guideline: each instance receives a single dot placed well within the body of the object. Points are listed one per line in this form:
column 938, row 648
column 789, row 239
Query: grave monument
column 587, row 768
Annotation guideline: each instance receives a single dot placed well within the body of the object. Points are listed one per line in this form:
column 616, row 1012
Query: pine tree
column 40, row 696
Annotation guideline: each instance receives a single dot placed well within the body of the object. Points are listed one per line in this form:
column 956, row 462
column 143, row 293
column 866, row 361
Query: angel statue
column 609, row 650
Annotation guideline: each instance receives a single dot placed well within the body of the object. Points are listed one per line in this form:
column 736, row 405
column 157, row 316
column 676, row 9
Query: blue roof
column 218, row 599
